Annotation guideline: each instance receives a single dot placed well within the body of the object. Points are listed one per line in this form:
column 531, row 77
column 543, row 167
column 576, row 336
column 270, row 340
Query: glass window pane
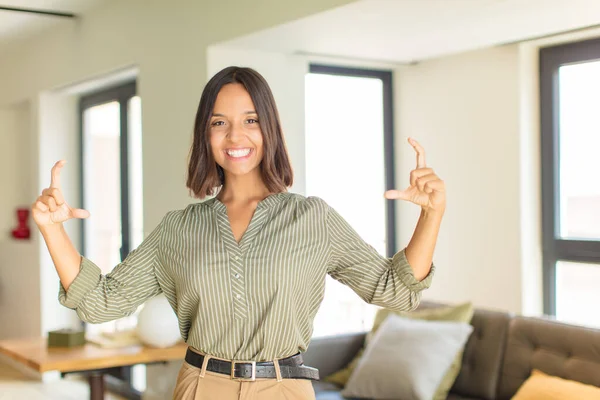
column 102, row 182
column 577, row 294
column 134, row 159
column 336, row 134
column 579, row 88
column 102, row 191
column 136, row 211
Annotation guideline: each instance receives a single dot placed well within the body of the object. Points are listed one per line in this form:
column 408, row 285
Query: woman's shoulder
column 191, row 211
column 309, row 202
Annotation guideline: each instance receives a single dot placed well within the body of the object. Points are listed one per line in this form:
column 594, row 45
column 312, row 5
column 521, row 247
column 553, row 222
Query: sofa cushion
column 332, row 353
column 483, row 353
column 543, row 386
column 458, row 313
column 558, row 349
column 407, row 359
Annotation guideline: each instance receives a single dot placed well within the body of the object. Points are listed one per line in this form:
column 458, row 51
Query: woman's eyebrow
column 221, row 115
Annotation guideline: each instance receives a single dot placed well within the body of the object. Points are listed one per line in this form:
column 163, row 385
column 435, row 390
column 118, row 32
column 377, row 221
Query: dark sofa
column 498, row 357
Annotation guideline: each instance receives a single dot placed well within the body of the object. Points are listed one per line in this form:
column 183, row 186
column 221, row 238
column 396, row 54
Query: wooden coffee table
column 92, row 360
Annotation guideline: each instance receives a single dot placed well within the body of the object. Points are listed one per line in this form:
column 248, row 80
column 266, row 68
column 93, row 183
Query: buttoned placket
column 237, row 252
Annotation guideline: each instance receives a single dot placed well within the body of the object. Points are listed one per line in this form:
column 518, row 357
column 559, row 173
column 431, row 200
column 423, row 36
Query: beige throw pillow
column 407, row 359
column 457, row 313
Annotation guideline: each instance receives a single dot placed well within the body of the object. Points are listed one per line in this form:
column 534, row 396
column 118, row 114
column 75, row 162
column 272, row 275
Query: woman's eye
column 218, row 123
column 252, row 121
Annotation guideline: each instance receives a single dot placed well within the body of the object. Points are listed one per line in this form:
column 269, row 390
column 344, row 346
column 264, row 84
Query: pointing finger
column 55, row 176
column 396, row 194
column 420, row 153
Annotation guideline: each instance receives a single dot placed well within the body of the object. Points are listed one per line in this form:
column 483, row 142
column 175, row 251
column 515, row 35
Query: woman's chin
column 239, row 171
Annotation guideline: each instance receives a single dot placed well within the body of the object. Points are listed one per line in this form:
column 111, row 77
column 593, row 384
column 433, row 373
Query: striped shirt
column 252, row 300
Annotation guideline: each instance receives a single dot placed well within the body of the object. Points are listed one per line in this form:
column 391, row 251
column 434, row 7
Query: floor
column 14, row 385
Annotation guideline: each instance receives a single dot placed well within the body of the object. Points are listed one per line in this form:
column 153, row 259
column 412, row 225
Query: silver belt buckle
column 252, row 378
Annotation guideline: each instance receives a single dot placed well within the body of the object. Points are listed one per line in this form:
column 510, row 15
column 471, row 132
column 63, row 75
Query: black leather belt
column 291, row 367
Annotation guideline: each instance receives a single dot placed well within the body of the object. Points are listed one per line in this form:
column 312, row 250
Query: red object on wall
column 22, row 231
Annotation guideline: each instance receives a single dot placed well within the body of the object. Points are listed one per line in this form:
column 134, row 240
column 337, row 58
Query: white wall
column 19, row 265
column 15, row 130
column 19, row 289
column 8, row 154
column 464, row 111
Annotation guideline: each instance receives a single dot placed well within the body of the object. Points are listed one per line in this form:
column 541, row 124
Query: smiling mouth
column 238, row 154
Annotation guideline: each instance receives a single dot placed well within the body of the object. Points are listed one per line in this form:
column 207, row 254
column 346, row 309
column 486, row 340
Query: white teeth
column 238, row 153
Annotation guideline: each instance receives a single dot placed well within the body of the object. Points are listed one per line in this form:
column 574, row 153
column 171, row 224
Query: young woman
column 245, row 270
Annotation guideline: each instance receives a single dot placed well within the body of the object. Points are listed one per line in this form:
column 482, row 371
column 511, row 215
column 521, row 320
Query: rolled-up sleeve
column 100, row 298
column 379, row 280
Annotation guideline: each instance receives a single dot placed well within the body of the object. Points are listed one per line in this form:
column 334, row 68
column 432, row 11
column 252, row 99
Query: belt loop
column 277, row 370
column 204, row 365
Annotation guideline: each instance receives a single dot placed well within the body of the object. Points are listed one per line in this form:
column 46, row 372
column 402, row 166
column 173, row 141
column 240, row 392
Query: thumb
column 397, row 195
column 80, row 213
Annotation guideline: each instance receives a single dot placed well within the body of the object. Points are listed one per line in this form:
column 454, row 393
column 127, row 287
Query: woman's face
column 235, row 136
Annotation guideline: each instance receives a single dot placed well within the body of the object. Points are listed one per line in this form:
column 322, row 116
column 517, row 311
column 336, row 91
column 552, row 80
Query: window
column 111, row 158
column 349, row 163
column 570, row 94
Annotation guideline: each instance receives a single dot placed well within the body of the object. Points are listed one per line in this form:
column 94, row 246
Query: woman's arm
column 419, row 251
column 99, row 298
column 378, row 280
column 65, row 257
column 96, row 297
column 49, row 212
column 428, row 191
column 397, row 282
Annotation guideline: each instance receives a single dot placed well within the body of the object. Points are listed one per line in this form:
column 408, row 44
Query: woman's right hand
column 51, row 208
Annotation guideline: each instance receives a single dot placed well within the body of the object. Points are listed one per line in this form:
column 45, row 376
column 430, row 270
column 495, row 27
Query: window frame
column 386, row 78
column 555, row 248
column 119, row 379
column 121, row 93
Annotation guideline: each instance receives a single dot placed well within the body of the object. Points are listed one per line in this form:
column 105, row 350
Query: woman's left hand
column 426, row 188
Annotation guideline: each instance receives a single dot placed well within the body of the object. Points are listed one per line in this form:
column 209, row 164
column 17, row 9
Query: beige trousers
column 191, row 385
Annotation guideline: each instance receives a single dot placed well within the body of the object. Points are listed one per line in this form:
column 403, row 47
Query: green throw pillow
column 458, row 313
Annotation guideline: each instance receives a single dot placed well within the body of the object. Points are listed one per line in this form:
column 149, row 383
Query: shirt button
column 238, row 296
column 237, row 276
column 236, row 258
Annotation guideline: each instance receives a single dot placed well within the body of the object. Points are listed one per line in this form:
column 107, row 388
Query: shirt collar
column 268, row 202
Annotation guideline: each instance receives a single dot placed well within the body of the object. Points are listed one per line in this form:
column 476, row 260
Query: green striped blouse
column 252, row 300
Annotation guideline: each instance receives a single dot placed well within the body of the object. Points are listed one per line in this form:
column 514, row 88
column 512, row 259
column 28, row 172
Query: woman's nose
column 235, row 132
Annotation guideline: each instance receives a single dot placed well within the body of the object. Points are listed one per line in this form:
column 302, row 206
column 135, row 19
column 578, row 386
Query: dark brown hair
column 204, row 174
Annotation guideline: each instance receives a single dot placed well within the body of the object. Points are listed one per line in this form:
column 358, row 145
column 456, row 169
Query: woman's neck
column 243, row 189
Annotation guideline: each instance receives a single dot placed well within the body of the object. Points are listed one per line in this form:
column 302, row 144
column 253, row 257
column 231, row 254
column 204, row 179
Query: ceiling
column 404, row 31
column 392, row 31
column 15, row 25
